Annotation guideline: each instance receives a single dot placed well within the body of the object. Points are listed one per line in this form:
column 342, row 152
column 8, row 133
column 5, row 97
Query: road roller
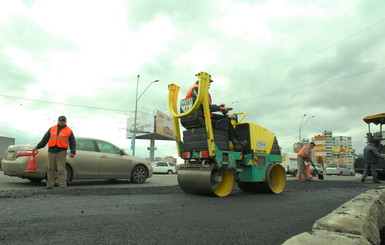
column 211, row 164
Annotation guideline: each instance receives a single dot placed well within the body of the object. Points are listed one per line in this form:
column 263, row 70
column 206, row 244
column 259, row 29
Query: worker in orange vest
column 304, row 155
column 59, row 138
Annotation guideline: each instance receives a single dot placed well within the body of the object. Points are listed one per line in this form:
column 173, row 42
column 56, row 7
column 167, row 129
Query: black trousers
column 224, row 122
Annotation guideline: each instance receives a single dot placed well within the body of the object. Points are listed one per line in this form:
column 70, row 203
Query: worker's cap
column 62, row 118
column 312, row 143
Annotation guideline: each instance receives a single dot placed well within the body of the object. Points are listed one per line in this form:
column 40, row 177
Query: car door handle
column 103, row 156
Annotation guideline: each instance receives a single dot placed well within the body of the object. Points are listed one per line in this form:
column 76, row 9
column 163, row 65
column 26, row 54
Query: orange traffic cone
column 31, row 168
column 309, row 175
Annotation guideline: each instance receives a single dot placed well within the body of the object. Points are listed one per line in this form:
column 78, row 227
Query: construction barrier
column 31, row 168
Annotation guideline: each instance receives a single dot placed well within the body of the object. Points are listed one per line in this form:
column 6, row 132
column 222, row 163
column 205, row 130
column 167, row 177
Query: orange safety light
column 185, row 154
column 204, row 154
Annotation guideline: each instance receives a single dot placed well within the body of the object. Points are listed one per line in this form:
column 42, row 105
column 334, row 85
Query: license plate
column 186, row 104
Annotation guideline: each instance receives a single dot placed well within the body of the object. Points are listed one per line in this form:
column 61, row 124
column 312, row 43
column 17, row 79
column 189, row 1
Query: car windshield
column 332, row 165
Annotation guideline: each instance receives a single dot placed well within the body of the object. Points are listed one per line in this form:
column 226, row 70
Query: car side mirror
column 122, row 152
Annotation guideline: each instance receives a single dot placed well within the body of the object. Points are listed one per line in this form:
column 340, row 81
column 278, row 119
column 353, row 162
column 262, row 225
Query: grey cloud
column 184, row 14
column 23, row 33
column 12, row 77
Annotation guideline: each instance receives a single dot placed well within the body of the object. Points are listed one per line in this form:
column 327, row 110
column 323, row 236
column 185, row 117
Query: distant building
column 329, row 148
column 297, row 146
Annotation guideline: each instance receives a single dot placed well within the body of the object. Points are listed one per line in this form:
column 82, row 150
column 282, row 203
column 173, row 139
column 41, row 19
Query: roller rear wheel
column 275, row 181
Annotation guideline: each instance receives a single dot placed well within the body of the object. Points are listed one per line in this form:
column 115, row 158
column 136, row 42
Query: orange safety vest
column 302, row 152
column 189, row 92
column 189, row 95
column 60, row 140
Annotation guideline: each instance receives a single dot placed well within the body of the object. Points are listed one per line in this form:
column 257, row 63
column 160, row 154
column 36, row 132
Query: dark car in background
column 95, row 159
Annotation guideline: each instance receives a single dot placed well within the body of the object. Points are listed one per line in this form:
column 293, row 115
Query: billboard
column 319, row 138
column 164, row 125
column 144, row 124
column 340, row 150
column 341, row 160
column 159, row 126
column 320, row 148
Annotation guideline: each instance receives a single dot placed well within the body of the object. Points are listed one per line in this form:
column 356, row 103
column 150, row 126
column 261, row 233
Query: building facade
column 333, row 149
column 330, row 149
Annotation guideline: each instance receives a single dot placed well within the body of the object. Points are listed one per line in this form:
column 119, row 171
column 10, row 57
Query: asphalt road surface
column 14, row 183
column 167, row 215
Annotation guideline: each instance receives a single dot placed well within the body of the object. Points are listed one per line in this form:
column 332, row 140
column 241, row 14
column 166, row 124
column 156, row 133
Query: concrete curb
column 357, row 221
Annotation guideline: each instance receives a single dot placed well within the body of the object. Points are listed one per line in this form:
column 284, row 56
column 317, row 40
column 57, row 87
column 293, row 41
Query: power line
column 56, row 103
column 311, row 84
column 314, row 54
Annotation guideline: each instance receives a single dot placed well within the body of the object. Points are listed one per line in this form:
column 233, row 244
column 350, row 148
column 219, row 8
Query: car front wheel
column 139, row 174
column 170, row 172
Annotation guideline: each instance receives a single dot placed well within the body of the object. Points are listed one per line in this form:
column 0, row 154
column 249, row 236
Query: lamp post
column 301, row 126
column 136, row 109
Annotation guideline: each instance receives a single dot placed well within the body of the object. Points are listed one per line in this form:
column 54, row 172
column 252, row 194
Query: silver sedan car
column 338, row 169
column 95, row 159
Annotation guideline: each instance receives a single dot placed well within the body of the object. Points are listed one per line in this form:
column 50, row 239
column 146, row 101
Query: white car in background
column 338, row 169
column 161, row 167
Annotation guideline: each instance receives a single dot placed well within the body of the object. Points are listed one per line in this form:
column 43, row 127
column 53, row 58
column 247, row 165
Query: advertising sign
column 320, row 148
column 144, row 124
column 149, row 126
column 319, row 138
column 164, row 125
column 340, row 150
column 341, row 160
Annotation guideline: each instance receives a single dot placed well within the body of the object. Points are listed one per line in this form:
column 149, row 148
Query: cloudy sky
column 274, row 60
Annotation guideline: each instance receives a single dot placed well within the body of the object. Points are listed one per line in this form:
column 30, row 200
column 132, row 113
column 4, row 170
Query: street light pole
column 299, row 131
column 301, row 126
column 136, row 110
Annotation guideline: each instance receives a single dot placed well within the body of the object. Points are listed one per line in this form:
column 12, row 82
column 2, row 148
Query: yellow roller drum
column 206, row 181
